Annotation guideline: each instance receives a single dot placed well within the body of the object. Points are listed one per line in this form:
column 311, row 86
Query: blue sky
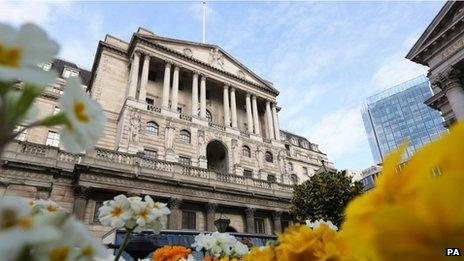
column 324, row 57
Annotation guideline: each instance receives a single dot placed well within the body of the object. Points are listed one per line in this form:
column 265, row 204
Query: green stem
column 123, row 244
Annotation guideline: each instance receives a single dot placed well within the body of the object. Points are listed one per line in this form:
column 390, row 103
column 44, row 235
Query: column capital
column 250, row 211
column 168, row 63
column 81, row 191
column 136, row 53
column 447, row 79
column 177, row 65
column 211, row 207
column 175, row 202
column 248, row 95
column 202, row 75
column 232, row 88
column 226, row 85
column 277, row 214
column 195, row 72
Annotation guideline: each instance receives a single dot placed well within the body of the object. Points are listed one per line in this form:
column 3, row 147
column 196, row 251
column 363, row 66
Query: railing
column 245, row 133
column 132, row 163
column 152, row 107
column 217, row 126
column 185, row 117
column 267, row 140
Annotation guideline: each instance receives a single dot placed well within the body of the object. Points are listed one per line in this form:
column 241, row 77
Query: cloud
column 17, row 13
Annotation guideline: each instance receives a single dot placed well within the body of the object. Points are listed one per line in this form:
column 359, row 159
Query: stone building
column 441, row 48
column 186, row 123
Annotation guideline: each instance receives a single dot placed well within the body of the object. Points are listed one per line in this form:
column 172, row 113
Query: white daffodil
column 86, row 121
column 160, row 209
column 239, row 249
column 317, row 223
column 46, row 207
column 143, row 214
column 19, row 228
column 22, row 50
column 115, row 212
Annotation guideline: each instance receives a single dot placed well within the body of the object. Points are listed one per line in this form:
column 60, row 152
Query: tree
column 324, row 196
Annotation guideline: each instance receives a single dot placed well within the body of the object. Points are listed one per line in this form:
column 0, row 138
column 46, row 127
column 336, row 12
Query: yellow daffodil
column 260, row 253
column 86, row 121
column 22, row 50
column 413, row 213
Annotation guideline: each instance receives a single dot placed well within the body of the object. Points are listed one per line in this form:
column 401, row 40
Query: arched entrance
column 216, row 154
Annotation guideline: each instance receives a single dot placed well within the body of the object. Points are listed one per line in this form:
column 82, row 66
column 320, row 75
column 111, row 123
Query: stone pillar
column 248, row 112
column 233, row 107
column 133, row 76
column 80, row 202
column 211, row 216
column 175, row 218
column 250, row 220
column 276, row 122
column 166, row 82
column 203, row 98
column 175, row 89
column 454, row 91
column 277, row 220
column 255, row 115
column 144, row 78
column 225, row 96
column 195, row 95
column 270, row 125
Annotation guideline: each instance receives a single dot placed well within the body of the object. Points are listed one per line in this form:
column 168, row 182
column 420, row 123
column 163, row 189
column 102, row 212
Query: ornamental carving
column 170, row 135
column 447, row 79
column 240, row 74
column 188, row 52
column 216, row 59
column 135, row 120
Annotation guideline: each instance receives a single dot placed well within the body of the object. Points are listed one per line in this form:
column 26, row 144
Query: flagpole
column 204, row 22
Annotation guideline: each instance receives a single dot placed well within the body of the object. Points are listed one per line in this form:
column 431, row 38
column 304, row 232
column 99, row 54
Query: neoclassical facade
column 441, row 48
column 186, row 123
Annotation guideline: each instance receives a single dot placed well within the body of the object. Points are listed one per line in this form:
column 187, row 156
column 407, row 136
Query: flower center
column 79, row 111
column 51, row 208
column 59, row 253
column 117, row 211
column 144, row 214
column 10, row 57
column 87, row 251
column 8, row 218
column 25, row 223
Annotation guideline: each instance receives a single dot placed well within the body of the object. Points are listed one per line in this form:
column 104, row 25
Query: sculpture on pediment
column 170, row 135
column 260, row 156
column 215, row 58
column 240, row 74
column 201, row 144
column 188, row 52
column 135, row 121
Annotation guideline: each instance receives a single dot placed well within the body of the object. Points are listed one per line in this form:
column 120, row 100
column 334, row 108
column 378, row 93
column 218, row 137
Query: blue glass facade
column 399, row 114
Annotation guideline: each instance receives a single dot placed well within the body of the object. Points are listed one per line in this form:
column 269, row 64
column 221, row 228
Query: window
column 68, row 73
column 271, row 178
column 98, row 204
column 53, row 139
column 150, row 153
column 150, row 101
column 56, row 110
column 294, row 178
column 246, row 152
column 305, row 171
column 22, row 136
column 185, row 136
column 290, row 166
column 184, row 160
column 152, row 128
column 179, row 109
column 248, row 173
column 259, row 226
column 209, row 117
column 152, row 76
column 189, row 220
column 268, row 156
column 47, row 66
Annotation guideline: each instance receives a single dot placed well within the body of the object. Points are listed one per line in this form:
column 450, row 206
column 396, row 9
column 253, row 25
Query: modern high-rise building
column 398, row 114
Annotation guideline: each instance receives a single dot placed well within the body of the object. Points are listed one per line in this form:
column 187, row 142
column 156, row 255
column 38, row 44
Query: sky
column 325, row 58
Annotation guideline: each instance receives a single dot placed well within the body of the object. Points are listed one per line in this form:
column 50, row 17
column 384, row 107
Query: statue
column 169, row 135
column 201, row 144
column 134, row 127
column 235, row 152
column 215, row 58
column 260, row 156
column 281, row 158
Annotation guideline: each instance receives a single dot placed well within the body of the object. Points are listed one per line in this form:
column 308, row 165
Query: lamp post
column 222, row 223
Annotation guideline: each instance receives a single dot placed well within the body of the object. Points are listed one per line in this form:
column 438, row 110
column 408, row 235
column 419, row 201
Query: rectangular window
column 247, row 173
column 68, row 73
column 53, row 139
column 22, row 135
column 189, row 220
column 151, row 76
column 150, row 153
column 150, row 101
column 98, row 204
column 184, row 160
column 179, row 109
column 259, row 226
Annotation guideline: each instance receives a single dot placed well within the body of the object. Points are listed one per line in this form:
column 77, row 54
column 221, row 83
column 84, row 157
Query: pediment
column 211, row 55
column 450, row 13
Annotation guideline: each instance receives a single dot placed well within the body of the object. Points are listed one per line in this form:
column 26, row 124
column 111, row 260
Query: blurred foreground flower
column 85, row 119
column 219, row 246
column 22, row 50
column 416, row 212
column 317, row 223
column 172, row 253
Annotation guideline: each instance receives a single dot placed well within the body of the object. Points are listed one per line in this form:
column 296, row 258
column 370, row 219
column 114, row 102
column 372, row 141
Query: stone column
column 166, row 82
column 454, row 91
column 233, row 107
column 210, row 216
column 144, row 78
column 248, row 112
column 195, row 94
column 250, row 220
column 133, row 76
column 276, row 122
column 276, row 218
column 175, row 89
column 270, row 125
column 203, row 98
column 80, row 202
column 175, row 218
column 255, row 115
column 225, row 97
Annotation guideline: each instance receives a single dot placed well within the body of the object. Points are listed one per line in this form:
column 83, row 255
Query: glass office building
column 399, row 114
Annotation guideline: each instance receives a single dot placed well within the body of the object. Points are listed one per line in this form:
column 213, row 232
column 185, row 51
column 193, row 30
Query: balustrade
column 152, row 107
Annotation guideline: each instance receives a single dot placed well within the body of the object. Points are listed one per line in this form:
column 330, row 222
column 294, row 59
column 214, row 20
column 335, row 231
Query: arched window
column 268, row 156
column 290, row 166
column 294, row 178
column 152, row 128
column 185, row 136
column 209, row 117
column 246, row 152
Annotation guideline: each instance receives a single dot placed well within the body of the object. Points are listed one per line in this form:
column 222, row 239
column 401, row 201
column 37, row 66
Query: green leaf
column 52, row 120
